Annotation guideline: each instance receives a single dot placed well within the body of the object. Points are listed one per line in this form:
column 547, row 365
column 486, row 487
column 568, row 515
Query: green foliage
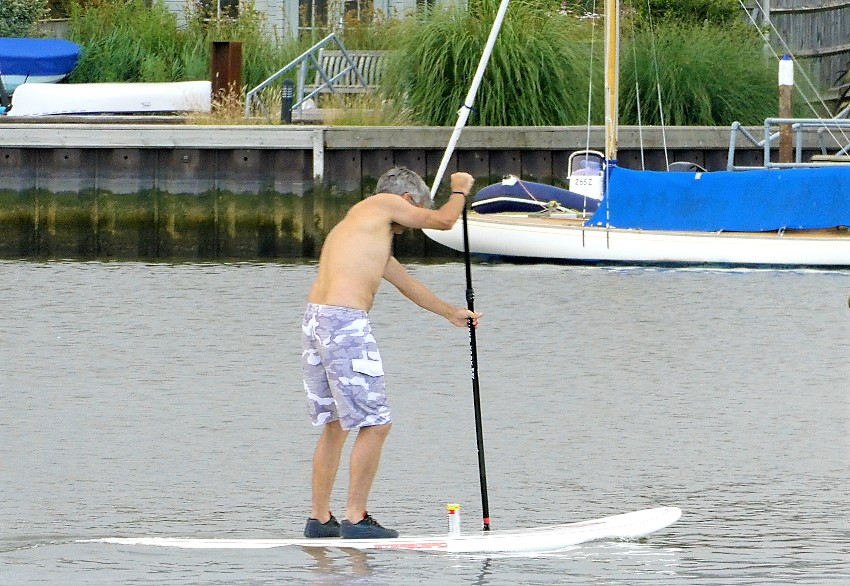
column 18, row 17
column 537, row 75
column 539, row 71
column 377, row 32
column 707, row 76
column 719, row 12
column 124, row 40
column 128, row 41
column 262, row 54
column 62, row 8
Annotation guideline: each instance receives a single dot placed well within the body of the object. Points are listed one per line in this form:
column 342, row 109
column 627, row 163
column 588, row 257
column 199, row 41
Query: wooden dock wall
column 198, row 192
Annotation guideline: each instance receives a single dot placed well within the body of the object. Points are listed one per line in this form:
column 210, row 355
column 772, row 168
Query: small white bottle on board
column 454, row 519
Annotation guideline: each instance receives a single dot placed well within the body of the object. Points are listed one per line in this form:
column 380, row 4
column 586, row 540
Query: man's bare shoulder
column 369, row 212
column 384, row 199
column 378, row 205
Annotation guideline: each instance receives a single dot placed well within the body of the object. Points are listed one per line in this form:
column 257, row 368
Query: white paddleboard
column 550, row 538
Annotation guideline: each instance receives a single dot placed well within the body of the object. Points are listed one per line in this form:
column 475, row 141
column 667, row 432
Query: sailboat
column 795, row 216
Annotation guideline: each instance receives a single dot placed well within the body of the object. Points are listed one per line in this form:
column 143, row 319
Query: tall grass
column 538, row 72
column 540, row 68
column 377, row 31
column 127, row 41
column 262, row 53
column 707, row 76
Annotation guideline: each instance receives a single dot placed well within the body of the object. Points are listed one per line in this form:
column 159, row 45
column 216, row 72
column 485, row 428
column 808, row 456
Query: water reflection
column 333, row 568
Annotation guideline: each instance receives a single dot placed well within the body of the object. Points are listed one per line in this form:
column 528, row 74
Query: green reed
column 707, row 75
column 262, row 53
column 127, row 41
column 543, row 61
column 538, row 72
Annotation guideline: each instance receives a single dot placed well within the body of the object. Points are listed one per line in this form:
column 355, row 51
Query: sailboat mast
column 612, row 77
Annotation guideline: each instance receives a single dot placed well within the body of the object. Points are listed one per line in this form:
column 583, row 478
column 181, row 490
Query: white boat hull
column 11, row 82
column 568, row 240
column 40, row 99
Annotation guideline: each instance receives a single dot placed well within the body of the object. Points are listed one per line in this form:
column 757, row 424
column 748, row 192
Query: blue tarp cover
column 30, row 57
column 736, row 201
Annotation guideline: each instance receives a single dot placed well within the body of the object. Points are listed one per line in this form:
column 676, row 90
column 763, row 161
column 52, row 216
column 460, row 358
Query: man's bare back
column 357, row 252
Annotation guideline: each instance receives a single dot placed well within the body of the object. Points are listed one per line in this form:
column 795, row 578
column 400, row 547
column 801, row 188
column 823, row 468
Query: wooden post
column 786, row 89
column 226, row 69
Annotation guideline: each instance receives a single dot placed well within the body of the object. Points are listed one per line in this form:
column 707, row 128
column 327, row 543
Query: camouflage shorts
column 343, row 374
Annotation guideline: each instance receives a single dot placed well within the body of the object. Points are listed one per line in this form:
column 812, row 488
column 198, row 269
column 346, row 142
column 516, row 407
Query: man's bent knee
column 377, row 430
column 334, row 430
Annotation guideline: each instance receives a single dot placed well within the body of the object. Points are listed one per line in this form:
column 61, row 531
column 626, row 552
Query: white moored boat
column 782, row 214
column 40, row 99
column 566, row 239
column 733, row 215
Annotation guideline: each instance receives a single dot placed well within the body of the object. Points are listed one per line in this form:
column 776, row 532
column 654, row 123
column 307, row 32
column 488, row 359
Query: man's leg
column 365, row 456
column 325, row 464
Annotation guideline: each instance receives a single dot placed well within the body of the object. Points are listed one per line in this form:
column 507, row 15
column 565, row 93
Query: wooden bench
column 341, row 75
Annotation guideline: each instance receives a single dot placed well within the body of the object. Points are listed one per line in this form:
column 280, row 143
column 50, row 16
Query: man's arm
column 411, row 216
column 443, row 218
column 419, row 294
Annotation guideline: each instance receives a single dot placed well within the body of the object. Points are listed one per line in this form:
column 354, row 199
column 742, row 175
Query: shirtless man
column 343, row 374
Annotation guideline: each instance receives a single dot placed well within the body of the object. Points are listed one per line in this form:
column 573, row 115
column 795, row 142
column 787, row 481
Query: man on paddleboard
column 343, row 374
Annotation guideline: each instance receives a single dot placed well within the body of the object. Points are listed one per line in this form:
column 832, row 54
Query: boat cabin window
column 586, row 163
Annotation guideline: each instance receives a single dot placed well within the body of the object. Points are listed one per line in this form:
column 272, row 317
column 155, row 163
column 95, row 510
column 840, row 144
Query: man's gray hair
column 401, row 180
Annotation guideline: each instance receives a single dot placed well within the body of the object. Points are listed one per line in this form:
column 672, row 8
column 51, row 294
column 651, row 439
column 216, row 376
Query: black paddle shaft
column 476, row 395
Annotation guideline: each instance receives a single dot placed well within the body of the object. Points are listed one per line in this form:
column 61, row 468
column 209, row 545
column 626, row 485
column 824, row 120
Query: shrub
column 707, row 75
column 18, row 17
column 125, row 40
column 262, row 54
column 537, row 75
column 60, row 8
column 539, row 72
column 718, row 12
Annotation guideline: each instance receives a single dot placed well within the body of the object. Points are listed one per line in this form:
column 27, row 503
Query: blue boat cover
column 537, row 196
column 737, row 201
column 31, row 57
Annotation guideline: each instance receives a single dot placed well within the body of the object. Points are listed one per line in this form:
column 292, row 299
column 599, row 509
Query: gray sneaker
column 368, row 528
column 316, row 529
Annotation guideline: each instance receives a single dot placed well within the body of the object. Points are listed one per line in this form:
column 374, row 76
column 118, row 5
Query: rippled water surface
column 166, row 400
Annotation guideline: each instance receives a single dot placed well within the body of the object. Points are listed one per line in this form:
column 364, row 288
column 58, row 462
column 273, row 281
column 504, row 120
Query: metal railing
column 304, row 62
column 836, row 129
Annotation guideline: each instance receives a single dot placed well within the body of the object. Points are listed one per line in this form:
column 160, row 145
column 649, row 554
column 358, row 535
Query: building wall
column 282, row 15
column 276, row 20
column 177, row 6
